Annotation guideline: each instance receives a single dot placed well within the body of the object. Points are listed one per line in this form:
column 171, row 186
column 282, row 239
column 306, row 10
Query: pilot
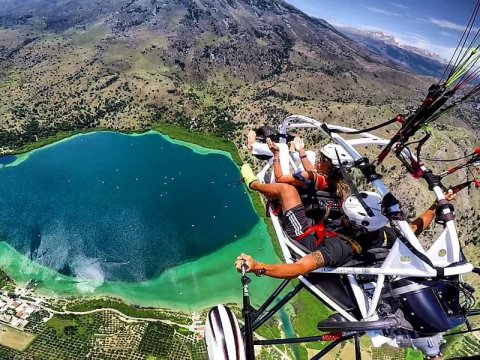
column 359, row 233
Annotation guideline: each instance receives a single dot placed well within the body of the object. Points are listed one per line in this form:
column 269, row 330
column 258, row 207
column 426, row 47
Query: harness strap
column 310, row 181
column 357, row 249
column 321, row 234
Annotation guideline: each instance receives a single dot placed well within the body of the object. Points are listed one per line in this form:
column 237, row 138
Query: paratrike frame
column 406, row 259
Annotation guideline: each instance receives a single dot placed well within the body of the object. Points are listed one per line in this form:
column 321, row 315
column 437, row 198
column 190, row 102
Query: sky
column 434, row 25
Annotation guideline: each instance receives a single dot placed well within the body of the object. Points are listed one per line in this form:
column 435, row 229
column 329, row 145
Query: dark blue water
column 7, row 159
column 134, row 206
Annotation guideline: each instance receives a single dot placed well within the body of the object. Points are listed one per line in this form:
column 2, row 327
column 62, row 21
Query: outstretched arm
column 303, row 266
column 300, row 147
column 423, row 221
column 277, row 169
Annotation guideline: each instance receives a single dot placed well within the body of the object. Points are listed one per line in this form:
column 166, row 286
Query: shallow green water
column 140, row 217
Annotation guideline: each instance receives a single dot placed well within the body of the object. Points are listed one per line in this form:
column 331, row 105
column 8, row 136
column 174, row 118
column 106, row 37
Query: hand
column 272, row 146
column 299, row 144
column 450, row 195
column 245, row 259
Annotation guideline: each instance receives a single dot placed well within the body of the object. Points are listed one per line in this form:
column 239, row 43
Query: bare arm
column 303, row 266
column 423, row 221
column 277, row 169
column 300, row 147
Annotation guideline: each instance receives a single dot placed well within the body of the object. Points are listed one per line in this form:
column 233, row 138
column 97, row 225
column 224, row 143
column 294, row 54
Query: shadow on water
column 66, row 270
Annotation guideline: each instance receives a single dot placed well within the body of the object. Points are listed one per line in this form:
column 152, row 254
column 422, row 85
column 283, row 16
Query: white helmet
column 329, row 152
column 355, row 212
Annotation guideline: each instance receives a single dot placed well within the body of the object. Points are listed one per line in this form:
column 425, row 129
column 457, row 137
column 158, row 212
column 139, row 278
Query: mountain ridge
column 176, row 55
column 419, row 61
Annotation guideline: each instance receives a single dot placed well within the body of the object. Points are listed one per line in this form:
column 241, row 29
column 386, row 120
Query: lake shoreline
column 173, row 131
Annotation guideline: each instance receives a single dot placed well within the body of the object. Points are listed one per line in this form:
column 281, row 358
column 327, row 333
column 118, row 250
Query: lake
column 142, row 217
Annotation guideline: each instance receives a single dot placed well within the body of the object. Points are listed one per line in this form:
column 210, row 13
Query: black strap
column 388, row 201
column 440, row 271
column 397, row 118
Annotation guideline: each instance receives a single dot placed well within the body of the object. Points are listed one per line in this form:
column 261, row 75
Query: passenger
column 361, row 230
column 325, row 176
column 295, row 220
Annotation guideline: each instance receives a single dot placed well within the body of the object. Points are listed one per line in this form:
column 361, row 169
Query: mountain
column 209, row 64
column 419, row 61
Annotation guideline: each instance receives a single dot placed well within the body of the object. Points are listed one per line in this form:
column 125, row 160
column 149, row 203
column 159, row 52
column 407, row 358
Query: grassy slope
column 205, row 140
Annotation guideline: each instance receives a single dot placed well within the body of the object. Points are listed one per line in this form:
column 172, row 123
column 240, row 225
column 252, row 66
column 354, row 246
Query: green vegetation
column 270, row 329
column 59, row 324
column 127, row 309
column 157, row 340
column 62, row 326
column 52, row 139
column 462, row 345
column 308, row 312
column 411, row 354
column 5, row 280
column 103, row 335
column 205, row 140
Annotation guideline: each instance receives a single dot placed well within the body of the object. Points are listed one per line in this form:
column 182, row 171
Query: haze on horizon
column 432, row 25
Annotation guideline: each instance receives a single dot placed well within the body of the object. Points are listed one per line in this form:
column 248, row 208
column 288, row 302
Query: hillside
column 140, row 62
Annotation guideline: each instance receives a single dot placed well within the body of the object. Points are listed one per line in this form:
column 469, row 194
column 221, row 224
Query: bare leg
column 251, row 139
column 287, row 194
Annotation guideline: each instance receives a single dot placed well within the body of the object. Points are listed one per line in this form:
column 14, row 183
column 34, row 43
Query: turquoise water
column 288, row 330
column 140, row 217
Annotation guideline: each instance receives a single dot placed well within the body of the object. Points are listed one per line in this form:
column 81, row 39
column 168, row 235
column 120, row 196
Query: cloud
column 370, row 28
column 445, row 33
column 336, row 23
column 359, row 27
column 381, row 11
column 400, row 6
column 445, row 24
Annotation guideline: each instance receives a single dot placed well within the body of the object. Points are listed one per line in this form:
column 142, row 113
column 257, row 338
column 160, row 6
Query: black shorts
column 335, row 251
column 295, row 221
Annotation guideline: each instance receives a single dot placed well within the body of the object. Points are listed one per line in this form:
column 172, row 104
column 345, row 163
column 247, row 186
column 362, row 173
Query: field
column 15, row 339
